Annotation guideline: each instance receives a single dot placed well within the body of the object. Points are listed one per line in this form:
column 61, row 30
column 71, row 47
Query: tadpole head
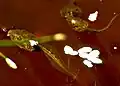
column 71, row 11
column 77, row 12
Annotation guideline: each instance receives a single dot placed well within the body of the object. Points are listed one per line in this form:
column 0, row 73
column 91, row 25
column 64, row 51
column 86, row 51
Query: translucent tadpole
column 26, row 40
column 73, row 15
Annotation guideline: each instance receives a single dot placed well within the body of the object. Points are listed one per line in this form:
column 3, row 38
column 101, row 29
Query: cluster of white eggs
column 87, row 53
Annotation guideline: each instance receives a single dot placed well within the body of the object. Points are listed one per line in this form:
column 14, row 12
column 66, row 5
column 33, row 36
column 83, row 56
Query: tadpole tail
column 105, row 28
column 55, row 60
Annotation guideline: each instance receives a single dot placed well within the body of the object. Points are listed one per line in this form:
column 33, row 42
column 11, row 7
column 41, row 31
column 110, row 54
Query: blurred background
column 42, row 17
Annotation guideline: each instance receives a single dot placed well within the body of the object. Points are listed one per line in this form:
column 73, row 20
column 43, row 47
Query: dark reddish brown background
column 42, row 17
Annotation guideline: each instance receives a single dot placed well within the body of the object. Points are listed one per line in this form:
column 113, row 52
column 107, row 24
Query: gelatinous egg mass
column 87, row 53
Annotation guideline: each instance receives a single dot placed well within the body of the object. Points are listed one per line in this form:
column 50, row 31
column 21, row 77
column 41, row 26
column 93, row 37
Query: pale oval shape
column 11, row 63
column 93, row 16
column 85, row 50
column 68, row 50
column 96, row 60
column 94, row 54
column 88, row 63
column 59, row 36
column 74, row 53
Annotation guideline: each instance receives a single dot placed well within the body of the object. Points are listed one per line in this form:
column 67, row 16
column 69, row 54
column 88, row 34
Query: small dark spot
column 75, row 3
column 36, row 48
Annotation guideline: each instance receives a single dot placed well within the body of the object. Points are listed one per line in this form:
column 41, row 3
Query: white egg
column 88, row 63
column 96, row 60
column 94, row 54
column 68, row 50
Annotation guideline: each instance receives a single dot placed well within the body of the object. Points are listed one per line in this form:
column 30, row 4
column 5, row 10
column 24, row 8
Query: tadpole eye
column 36, row 48
column 77, row 12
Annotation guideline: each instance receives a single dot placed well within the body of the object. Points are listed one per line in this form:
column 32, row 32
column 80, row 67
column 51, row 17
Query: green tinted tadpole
column 73, row 13
column 21, row 39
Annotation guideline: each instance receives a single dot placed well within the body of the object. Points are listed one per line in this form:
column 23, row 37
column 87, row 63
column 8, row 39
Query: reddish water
column 42, row 17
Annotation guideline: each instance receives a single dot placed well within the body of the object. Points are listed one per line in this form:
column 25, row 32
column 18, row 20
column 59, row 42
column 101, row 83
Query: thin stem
column 9, row 43
column 6, row 43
